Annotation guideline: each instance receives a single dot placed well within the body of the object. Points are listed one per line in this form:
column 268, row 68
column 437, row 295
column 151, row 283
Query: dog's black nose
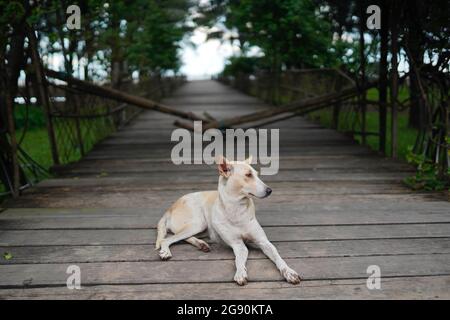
column 268, row 192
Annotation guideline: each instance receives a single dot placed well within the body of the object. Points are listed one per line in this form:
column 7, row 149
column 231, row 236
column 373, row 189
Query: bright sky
column 205, row 58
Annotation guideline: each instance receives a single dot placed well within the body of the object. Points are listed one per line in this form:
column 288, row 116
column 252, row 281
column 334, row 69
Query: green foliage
column 247, row 65
column 138, row 35
column 10, row 12
column 290, row 33
column 427, row 175
column 155, row 36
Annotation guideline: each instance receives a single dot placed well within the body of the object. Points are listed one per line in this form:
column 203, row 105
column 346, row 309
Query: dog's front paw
column 241, row 278
column 203, row 246
column 290, row 275
column 165, row 254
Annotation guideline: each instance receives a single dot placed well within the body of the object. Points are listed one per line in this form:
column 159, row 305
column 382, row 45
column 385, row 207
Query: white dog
column 228, row 213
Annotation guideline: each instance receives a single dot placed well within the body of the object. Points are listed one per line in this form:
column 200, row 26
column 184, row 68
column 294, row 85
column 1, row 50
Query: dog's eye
column 249, row 175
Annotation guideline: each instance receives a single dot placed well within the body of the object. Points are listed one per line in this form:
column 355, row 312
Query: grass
column 406, row 135
column 36, row 143
column 403, row 94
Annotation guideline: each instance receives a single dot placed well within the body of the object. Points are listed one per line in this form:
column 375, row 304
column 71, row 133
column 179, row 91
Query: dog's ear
column 224, row 166
column 249, row 160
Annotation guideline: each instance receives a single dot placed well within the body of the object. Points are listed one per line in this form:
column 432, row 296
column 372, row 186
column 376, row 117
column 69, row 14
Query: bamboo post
column 78, row 126
column 13, row 144
column 383, row 76
column 336, row 108
column 336, row 113
column 394, row 90
column 43, row 93
column 444, row 145
column 362, row 93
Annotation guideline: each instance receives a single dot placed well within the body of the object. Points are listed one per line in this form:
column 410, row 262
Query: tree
column 290, row 33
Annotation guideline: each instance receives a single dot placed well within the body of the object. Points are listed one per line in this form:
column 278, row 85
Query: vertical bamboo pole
column 362, row 96
column 43, row 93
column 394, row 89
column 337, row 108
column 78, row 125
column 445, row 147
column 13, row 144
column 336, row 112
column 383, row 76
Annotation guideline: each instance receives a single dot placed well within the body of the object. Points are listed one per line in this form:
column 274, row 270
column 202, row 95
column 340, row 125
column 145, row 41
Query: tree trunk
column 43, row 93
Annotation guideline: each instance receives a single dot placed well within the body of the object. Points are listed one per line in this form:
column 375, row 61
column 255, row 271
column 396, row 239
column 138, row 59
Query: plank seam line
column 229, row 259
column 144, row 243
column 93, row 284
column 263, row 225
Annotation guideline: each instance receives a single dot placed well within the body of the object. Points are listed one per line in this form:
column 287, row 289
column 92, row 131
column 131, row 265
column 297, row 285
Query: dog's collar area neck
column 230, row 202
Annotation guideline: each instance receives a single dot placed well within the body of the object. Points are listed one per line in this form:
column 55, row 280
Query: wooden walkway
column 336, row 209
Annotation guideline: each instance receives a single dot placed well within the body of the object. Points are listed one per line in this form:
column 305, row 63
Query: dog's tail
column 162, row 231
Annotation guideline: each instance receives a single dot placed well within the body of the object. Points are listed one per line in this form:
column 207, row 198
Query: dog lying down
column 228, row 214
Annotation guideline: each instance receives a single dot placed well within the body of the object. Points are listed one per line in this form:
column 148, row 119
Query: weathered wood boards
column 336, row 209
column 283, row 214
column 287, row 233
column 430, row 287
column 196, row 271
column 185, row 252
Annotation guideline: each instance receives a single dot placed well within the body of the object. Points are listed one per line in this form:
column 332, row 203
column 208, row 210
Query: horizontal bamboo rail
column 120, row 96
column 299, row 107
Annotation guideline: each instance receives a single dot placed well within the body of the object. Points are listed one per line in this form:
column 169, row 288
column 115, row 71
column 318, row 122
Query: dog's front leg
column 269, row 250
column 241, row 254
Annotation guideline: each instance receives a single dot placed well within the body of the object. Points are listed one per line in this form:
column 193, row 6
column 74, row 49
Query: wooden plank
column 308, row 213
column 432, row 287
column 166, row 192
column 18, row 219
column 181, row 251
column 118, row 198
column 147, row 165
column 298, row 176
column 288, row 233
column 222, row 270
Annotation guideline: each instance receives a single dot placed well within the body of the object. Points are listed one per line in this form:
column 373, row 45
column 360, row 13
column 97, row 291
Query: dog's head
column 242, row 178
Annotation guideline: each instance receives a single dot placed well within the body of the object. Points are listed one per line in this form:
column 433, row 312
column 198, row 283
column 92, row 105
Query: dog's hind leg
column 186, row 233
column 161, row 231
column 202, row 245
